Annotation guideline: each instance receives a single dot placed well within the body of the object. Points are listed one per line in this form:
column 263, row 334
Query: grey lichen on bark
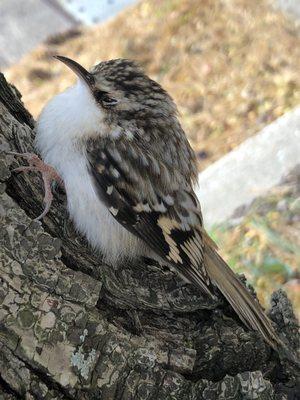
column 72, row 327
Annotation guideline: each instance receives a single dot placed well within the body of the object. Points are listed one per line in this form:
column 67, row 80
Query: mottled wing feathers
column 153, row 204
column 166, row 215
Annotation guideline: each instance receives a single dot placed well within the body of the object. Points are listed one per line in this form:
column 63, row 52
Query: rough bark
column 72, row 327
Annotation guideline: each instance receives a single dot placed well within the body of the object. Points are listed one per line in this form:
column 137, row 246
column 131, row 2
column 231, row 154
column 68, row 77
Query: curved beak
column 81, row 72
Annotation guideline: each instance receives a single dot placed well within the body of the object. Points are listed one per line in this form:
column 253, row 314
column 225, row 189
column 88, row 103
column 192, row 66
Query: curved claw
column 24, row 169
column 45, row 211
column 23, row 155
column 48, row 174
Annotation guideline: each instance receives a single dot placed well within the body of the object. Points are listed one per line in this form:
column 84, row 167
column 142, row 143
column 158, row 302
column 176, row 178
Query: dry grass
column 232, row 65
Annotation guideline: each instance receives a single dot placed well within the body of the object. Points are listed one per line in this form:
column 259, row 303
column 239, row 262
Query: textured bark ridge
column 74, row 328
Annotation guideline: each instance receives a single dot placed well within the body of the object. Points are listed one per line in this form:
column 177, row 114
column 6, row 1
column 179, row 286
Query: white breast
column 65, row 119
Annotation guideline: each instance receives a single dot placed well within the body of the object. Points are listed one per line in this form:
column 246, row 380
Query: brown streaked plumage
column 128, row 154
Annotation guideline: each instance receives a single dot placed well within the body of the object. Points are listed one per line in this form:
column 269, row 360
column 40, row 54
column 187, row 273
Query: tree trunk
column 72, row 327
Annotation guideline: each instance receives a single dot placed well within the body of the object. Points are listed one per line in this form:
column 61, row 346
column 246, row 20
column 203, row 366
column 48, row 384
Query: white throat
column 68, row 116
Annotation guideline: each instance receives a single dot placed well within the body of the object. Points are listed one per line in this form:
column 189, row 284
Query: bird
column 115, row 141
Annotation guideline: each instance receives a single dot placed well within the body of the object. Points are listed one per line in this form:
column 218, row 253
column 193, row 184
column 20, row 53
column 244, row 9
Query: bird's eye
column 104, row 98
column 109, row 101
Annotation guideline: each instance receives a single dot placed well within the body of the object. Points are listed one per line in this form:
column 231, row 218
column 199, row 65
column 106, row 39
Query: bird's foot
column 48, row 174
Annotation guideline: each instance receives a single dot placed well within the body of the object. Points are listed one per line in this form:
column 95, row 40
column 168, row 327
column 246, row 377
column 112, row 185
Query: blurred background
column 232, row 67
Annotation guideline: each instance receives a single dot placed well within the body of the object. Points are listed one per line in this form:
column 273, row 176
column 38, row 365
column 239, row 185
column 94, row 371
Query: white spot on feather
column 142, row 207
column 109, row 189
column 116, row 132
column 114, row 211
column 167, row 225
column 129, row 135
column 115, row 172
column 169, row 200
column 159, row 207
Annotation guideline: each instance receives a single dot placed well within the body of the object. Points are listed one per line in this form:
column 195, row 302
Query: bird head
column 122, row 90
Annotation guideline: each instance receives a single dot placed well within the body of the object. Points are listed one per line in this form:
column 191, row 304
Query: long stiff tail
column 243, row 303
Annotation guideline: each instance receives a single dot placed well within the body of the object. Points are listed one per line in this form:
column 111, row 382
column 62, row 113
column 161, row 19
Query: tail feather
column 243, row 303
column 246, row 307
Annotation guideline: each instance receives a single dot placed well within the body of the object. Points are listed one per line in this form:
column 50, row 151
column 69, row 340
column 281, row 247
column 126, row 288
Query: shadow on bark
column 72, row 327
